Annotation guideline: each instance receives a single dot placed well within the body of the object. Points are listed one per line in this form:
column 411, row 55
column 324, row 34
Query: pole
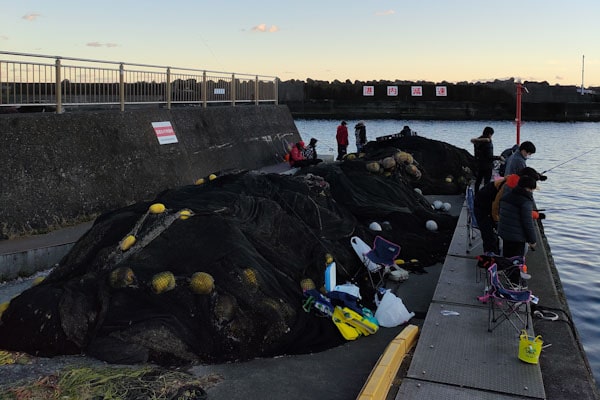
column 518, row 117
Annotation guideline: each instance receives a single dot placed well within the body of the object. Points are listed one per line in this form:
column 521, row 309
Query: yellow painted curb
column 380, row 379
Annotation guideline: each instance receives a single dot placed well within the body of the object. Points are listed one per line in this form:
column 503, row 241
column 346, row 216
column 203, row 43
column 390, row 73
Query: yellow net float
column 200, row 181
column 4, row 307
column 373, row 166
column 403, row 157
column 212, row 177
column 163, row 282
column 202, row 283
column 121, row 277
column 127, row 242
column 185, row 214
column 157, row 208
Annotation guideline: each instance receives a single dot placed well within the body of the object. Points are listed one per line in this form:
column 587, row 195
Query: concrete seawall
column 61, row 170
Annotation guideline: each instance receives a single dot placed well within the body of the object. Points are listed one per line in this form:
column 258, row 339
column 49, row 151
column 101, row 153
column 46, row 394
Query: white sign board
column 392, row 90
column 368, row 90
column 219, row 91
column 164, row 132
column 441, row 91
column 416, row 90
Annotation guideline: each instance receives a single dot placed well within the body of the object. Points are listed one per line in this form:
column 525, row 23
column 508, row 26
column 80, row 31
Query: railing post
column 58, row 87
column 122, row 86
column 233, row 90
column 256, row 94
column 169, row 88
column 204, row 94
column 276, row 82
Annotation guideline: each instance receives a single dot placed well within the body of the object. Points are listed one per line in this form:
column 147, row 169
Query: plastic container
column 529, row 348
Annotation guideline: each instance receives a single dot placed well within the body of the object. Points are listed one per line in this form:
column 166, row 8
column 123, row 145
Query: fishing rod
column 570, row 159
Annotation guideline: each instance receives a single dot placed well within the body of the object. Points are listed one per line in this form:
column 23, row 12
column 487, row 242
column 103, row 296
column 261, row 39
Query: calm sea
column 571, row 195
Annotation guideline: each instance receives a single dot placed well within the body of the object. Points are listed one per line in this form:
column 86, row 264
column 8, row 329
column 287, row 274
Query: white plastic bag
column 391, row 311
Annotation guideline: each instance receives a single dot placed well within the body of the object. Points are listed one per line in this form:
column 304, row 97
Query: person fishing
column 484, row 154
column 341, row 137
column 518, row 160
column 360, row 133
column 516, row 227
column 486, row 205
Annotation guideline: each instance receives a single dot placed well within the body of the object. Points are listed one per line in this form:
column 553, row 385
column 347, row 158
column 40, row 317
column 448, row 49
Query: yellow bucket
column 529, row 347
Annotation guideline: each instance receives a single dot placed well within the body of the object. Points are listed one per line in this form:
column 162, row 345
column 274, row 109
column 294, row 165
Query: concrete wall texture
column 60, row 170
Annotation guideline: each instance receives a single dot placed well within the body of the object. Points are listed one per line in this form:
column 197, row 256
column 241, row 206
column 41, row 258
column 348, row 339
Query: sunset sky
column 432, row 40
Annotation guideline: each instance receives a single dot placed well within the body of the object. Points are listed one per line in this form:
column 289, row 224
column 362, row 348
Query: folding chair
column 506, row 304
column 379, row 259
column 471, row 220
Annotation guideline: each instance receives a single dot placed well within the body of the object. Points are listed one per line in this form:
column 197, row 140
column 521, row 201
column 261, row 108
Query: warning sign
column 164, row 132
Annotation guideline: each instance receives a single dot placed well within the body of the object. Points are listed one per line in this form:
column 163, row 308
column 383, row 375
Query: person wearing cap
column 516, row 227
column 342, row 140
column 310, row 152
column 360, row 132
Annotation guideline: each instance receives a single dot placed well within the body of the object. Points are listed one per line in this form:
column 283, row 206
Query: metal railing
column 64, row 81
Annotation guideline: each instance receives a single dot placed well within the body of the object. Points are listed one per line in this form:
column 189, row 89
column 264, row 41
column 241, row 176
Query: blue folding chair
column 506, row 304
column 471, row 220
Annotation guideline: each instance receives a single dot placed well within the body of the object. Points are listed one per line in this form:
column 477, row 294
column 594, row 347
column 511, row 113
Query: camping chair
column 471, row 220
column 506, row 304
column 379, row 259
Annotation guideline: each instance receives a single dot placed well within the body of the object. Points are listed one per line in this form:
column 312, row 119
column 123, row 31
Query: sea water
column 570, row 155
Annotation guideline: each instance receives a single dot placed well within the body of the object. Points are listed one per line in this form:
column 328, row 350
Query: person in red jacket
column 342, row 140
column 297, row 156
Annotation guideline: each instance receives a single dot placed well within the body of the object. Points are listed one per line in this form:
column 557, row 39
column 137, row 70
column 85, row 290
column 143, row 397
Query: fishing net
column 214, row 275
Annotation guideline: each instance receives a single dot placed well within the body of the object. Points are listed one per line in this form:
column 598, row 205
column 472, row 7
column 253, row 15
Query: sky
column 413, row 40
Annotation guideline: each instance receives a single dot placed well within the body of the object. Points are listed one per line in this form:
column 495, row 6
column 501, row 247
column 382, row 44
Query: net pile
column 214, row 275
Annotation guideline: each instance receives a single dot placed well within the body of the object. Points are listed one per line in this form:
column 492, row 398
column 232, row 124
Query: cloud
column 97, row 44
column 558, row 78
column 265, row 28
column 31, row 16
column 384, row 13
column 3, row 37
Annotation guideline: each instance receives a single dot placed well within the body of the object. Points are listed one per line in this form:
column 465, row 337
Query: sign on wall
column 368, row 90
column 441, row 91
column 164, row 132
column 219, row 91
column 416, row 90
column 392, row 90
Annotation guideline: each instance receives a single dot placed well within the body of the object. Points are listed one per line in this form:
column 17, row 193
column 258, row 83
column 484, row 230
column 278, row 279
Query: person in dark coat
column 486, row 207
column 360, row 132
column 516, row 227
column 518, row 160
column 406, row 131
column 310, row 152
column 484, row 154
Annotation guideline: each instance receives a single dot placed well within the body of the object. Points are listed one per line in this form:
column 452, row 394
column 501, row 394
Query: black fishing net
column 254, row 237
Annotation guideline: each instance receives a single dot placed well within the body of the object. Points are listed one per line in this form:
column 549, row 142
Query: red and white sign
column 441, row 91
column 416, row 90
column 368, row 90
column 392, row 90
column 164, row 132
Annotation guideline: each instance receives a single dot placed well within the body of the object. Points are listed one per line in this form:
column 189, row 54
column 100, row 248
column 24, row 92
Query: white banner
column 392, row 90
column 441, row 91
column 368, row 90
column 416, row 90
column 164, row 132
